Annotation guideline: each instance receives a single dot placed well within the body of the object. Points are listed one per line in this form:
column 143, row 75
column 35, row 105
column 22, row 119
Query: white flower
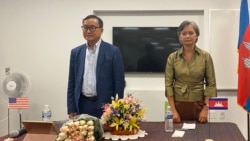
column 85, row 127
column 90, row 133
column 91, row 138
column 82, row 122
column 77, row 123
column 81, row 128
column 64, row 129
column 91, row 128
column 77, row 131
column 62, row 135
column 84, row 132
column 90, row 123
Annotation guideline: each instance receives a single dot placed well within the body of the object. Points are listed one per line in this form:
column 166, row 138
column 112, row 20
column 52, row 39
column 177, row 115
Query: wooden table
column 217, row 131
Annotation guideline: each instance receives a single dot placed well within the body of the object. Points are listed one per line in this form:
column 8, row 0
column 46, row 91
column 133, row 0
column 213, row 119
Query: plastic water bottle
column 46, row 113
column 169, row 120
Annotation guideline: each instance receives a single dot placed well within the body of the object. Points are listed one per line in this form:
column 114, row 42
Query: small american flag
column 18, row 103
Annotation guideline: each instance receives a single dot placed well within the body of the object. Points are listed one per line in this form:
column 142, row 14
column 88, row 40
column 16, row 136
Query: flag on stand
column 243, row 96
column 18, row 103
column 218, row 103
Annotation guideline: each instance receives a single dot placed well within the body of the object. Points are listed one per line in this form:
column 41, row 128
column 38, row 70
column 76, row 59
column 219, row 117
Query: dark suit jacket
column 109, row 75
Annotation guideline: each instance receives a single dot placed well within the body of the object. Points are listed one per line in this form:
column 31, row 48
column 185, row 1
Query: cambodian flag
column 243, row 96
column 218, row 103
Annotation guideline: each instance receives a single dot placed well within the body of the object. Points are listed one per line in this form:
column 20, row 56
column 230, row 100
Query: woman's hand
column 176, row 117
column 203, row 114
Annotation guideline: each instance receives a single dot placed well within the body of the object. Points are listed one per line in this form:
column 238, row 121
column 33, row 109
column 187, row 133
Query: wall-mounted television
column 145, row 49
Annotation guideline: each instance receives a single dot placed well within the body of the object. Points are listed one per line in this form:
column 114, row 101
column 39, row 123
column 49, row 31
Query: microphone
column 17, row 133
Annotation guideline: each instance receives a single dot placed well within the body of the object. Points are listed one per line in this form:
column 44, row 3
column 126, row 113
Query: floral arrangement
column 82, row 128
column 123, row 114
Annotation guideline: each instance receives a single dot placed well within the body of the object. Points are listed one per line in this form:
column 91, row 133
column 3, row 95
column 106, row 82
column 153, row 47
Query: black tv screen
column 145, row 49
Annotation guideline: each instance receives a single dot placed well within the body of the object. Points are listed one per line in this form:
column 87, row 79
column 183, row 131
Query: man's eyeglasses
column 90, row 28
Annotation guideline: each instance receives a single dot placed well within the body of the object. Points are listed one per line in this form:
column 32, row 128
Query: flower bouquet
column 123, row 116
column 81, row 128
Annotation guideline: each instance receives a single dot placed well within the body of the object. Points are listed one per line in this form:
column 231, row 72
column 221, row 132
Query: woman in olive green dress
column 189, row 77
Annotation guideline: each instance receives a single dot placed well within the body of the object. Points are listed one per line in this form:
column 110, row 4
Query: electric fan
column 15, row 85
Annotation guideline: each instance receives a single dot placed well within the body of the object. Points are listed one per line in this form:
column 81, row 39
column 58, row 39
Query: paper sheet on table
column 188, row 126
column 178, row 133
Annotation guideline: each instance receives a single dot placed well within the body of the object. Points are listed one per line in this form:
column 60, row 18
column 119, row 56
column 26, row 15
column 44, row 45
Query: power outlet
column 212, row 115
column 222, row 115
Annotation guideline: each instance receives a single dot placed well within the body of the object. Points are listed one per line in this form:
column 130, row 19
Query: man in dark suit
column 96, row 72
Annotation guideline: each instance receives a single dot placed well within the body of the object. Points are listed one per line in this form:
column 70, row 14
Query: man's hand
column 72, row 115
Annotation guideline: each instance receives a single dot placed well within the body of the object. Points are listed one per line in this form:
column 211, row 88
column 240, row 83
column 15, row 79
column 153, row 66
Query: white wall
column 36, row 38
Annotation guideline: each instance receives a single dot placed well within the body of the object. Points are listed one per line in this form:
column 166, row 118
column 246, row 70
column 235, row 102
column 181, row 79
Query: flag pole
column 8, row 122
column 20, row 118
column 248, row 138
column 209, row 124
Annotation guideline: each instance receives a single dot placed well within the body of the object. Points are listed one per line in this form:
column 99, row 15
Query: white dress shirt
column 89, row 76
